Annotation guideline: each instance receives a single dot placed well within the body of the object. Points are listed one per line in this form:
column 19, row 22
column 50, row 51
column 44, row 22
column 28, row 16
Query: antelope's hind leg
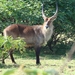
column 3, row 62
column 11, row 56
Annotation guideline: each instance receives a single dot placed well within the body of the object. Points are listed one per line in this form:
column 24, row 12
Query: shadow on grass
column 27, row 53
column 3, row 66
column 30, row 54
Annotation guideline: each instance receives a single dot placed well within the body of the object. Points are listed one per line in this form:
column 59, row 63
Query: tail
column 2, row 46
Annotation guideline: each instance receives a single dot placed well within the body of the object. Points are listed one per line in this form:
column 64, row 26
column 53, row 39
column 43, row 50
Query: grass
column 47, row 62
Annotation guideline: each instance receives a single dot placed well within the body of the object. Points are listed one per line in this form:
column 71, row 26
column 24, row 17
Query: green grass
column 47, row 62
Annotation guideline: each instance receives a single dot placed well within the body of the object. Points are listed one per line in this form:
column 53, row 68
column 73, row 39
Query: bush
column 9, row 43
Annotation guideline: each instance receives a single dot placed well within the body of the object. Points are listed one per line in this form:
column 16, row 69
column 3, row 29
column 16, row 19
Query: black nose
column 46, row 26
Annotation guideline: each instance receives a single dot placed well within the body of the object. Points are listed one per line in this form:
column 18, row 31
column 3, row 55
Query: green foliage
column 9, row 72
column 22, row 71
column 9, row 43
column 20, row 11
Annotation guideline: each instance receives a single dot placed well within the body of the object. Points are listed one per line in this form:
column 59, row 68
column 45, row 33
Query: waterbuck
column 35, row 35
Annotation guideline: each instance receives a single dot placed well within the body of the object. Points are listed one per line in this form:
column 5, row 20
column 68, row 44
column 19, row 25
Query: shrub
column 9, row 43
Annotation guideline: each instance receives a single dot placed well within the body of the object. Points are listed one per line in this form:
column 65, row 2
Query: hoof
column 3, row 62
column 38, row 63
column 14, row 62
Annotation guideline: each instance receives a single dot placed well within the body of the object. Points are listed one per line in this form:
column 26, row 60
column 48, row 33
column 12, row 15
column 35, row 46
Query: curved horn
column 55, row 15
column 43, row 15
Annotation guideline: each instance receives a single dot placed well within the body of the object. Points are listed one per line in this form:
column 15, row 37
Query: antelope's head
column 49, row 20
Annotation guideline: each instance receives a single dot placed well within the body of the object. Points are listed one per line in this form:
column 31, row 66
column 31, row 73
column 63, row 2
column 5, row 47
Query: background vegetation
column 28, row 12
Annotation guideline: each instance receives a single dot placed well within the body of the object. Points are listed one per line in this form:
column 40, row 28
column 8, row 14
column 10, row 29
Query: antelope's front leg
column 37, row 51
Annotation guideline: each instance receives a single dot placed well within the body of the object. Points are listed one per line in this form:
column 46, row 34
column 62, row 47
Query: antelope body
column 35, row 35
